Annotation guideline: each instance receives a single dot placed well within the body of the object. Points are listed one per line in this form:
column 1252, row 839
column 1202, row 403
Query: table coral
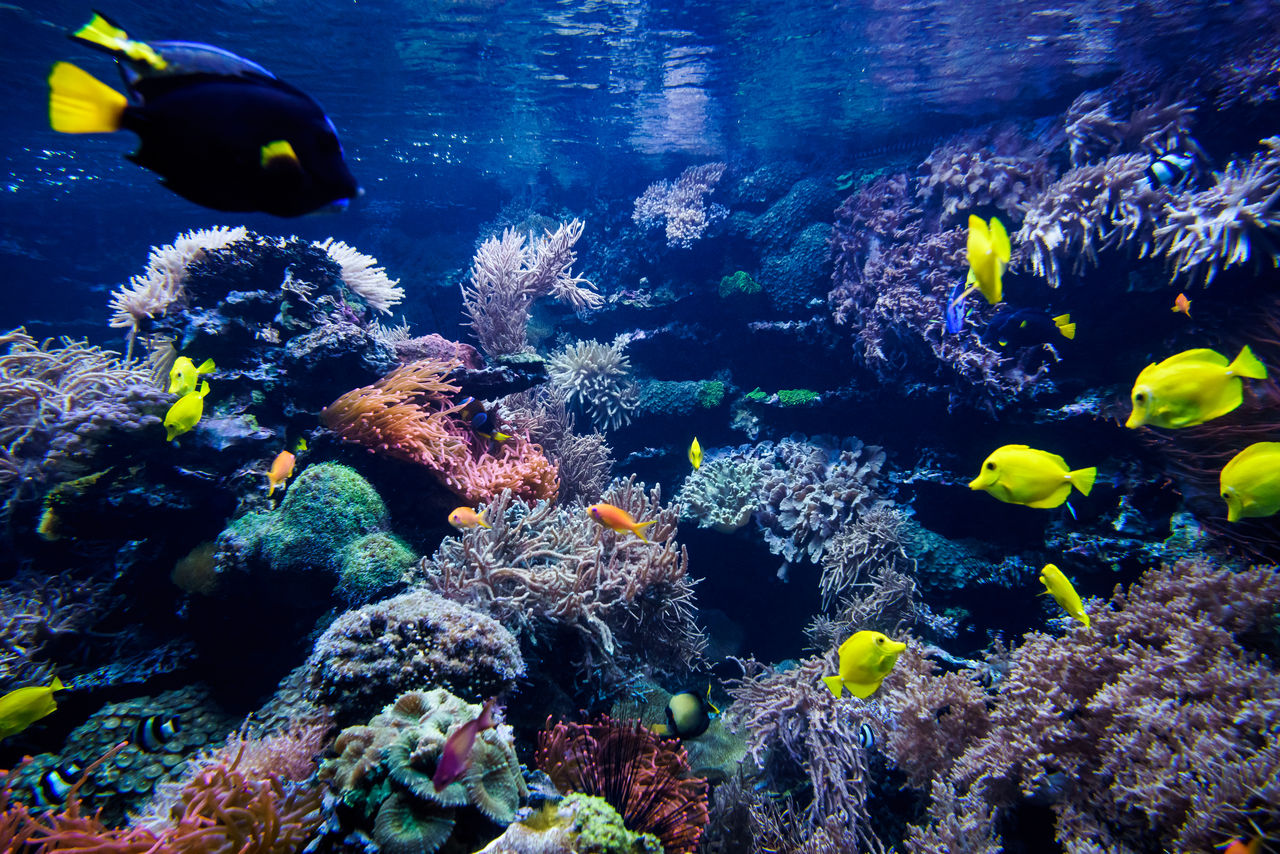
column 414, row 640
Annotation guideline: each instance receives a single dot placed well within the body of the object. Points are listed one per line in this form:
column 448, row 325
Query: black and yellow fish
column 219, row 130
column 688, row 714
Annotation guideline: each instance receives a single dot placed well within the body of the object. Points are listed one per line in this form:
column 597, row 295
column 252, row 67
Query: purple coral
column 417, row 640
column 994, row 167
column 682, row 205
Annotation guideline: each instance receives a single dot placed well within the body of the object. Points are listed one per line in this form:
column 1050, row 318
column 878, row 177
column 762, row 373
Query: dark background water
column 451, row 112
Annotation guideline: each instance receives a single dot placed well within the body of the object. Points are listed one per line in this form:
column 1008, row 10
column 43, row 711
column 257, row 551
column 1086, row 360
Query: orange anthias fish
column 1235, row 846
column 1182, row 304
column 456, row 753
column 618, row 519
column 464, row 517
column 281, row 470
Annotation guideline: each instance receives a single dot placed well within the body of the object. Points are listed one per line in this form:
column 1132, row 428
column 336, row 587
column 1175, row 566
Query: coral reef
column 365, row 280
column 722, row 494
column 36, row 616
column 644, row 777
column 596, row 378
column 578, row 824
column 870, row 542
column 993, row 167
column 383, row 776
column 682, row 205
column 508, row 274
column 415, row 640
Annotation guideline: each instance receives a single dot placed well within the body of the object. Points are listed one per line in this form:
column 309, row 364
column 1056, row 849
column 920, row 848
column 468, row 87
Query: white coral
column 359, row 273
column 596, row 378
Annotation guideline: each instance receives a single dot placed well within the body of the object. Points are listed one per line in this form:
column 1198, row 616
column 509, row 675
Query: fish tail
column 56, row 684
column 638, row 530
column 80, row 103
column 1082, row 479
column 103, row 33
column 1068, row 331
column 206, row 367
column 480, row 519
column 1247, row 365
column 834, row 684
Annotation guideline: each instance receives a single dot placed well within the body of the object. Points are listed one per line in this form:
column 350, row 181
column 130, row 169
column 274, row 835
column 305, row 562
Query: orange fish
column 464, row 517
column 1182, row 304
column 618, row 519
column 1235, row 846
column 281, row 470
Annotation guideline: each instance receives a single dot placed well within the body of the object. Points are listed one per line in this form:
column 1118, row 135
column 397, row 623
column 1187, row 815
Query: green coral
column 710, row 393
column 601, row 831
column 797, row 397
column 372, row 565
column 739, row 283
column 756, row 395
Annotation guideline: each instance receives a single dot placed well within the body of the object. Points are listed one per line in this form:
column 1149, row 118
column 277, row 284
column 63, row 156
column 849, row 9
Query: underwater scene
column 640, row 427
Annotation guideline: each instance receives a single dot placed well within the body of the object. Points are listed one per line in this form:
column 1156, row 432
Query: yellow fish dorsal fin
column 80, row 103
column 979, row 240
column 56, row 685
column 278, row 153
column 999, row 239
column 203, row 390
column 102, row 32
column 1200, row 354
column 1257, row 449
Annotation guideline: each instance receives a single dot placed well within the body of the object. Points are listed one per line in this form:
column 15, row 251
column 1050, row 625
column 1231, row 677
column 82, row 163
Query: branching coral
column 1223, row 226
column 996, row 167
column 682, row 205
column 1095, row 131
column 372, row 654
column 508, row 274
column 1132, row 729
column 540, row 566
column 60, row 404
column 369, row 282
column 150, row 294
column 868, row 543
column 596, row 378
column 644, row 777
column 36, row 613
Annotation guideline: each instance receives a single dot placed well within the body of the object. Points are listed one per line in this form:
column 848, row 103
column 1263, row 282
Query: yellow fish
column 1250, row 483
column 1017, row 474
column 618, row 519
column 865, row 659
column 1191, row 388
column 281, row 470
column 989, row 254
column 21, row 708
column 1057, row 586
column 464, row 517
column 695, row 453
column 184, row 415
column 184, row 375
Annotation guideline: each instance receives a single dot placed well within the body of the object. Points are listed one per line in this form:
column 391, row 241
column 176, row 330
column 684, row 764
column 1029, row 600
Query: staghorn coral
column 1238, row 218
column 1122, row 728
column 541, row 566
column 415, row 640
column 596, row 378
column 994, row 167
column 509, row 273
column 644, row 777
column 681, row 205
column 722, row 494
column 1094, row 207
column 794, row 724
column 367, row 281
column 383, row 776
column 62, row 404
column 152, row 293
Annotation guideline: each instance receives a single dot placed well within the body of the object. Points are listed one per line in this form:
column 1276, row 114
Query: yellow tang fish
column 695, row 453
column 1057, row 586
column 184, row 415
column 1017, row 474
column 989, row 254
column 464, row 517
column 21, row 708
column 618, row 519
column 865, row 659
column 184, row 375
column 281, row 470
column 1250, row 483
column 1191, row 388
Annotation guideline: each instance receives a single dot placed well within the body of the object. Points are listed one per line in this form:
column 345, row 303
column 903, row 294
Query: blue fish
column 955, row 308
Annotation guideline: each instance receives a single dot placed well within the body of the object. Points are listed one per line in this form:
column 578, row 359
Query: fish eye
column 880, row 641
column 1139, row 397
column 991, row 466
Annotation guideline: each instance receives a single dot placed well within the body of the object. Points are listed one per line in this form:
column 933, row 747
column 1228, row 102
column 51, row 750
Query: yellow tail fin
column 206, row 367
column 1068, row 331
column 1247, row 365
column 638, row 530
column 1082, row 479
column 80, row 103
column 104, row 33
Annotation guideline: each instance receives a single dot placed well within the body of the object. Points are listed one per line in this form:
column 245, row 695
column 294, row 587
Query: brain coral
column 383, row 776
column 415, row 640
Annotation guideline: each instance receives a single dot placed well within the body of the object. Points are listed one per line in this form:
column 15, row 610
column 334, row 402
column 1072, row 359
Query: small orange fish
column 464, row 517
column 618, row 519
column 1235, row 846
column 1182, row 304
column 281, row 470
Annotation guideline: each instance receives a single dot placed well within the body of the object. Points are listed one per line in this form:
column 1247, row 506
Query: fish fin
column 1082, row 479
column 1068, row 331
column 834, row 684
column 1000, row 241
column 638, row 530
column 480, row 519
column 81, row 103
column 1247, row 365
column 979, row 240
column 272, row 488
column 206, row 367
column 279, row 154
column 862, row 690
column 1200, row 354
column 1062, row 319
column 1055, row 499
column 103, row 33
column 56, row 685
column 1083, row 618
column 204, row 388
